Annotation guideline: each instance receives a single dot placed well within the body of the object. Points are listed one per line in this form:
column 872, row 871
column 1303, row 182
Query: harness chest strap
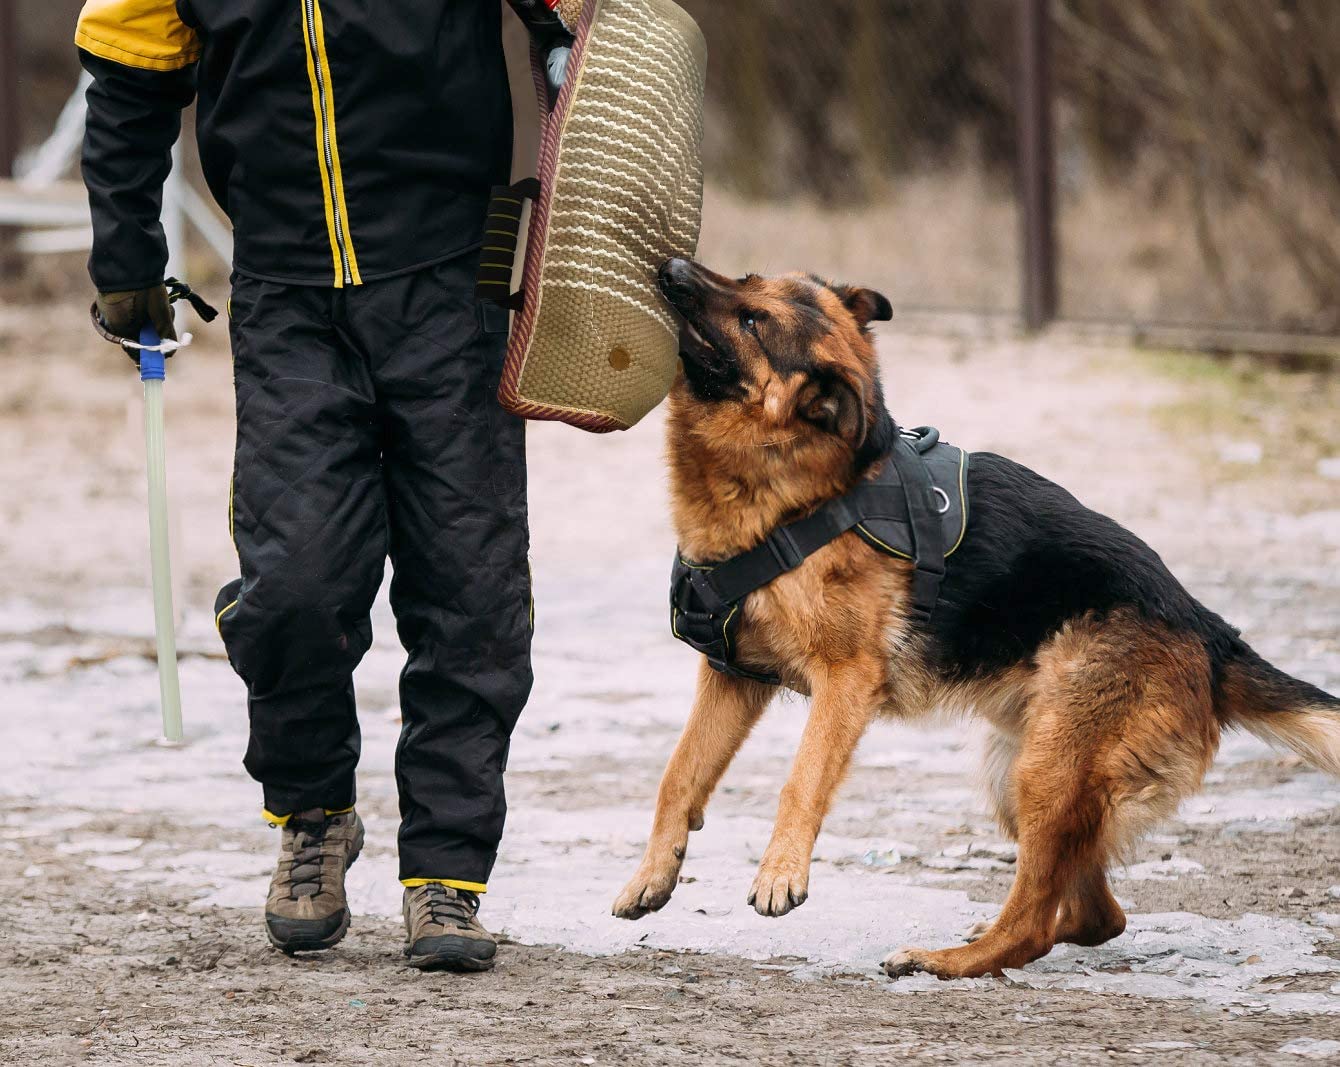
column 787, row 547
column 897, row 514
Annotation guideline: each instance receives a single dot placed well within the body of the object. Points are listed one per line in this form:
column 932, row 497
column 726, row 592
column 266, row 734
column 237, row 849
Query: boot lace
column 308, row 858
column 450, row 907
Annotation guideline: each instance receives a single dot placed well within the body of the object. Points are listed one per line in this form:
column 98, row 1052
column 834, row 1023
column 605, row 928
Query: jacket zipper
column 334, row 189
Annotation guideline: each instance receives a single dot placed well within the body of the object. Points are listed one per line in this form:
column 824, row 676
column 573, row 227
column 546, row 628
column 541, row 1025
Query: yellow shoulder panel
column 148, row 34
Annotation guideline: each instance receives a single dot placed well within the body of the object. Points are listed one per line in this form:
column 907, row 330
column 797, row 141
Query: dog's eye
column 749, row 320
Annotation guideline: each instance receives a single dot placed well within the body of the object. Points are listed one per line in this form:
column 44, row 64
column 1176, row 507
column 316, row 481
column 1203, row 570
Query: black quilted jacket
column 346, row 140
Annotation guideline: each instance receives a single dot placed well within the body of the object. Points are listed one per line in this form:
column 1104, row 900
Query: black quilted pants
column 368, row 426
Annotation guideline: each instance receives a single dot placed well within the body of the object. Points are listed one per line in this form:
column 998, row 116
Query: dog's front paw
column 648, row 891
column 777, row 890
column 904, row 961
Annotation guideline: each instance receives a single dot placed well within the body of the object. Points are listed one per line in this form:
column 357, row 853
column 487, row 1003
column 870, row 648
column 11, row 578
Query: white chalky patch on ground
column 1305, row 794
column 1312, row 1048
column 1159, row 870
column 115, row 863
column 99, row 843
column 90, row 740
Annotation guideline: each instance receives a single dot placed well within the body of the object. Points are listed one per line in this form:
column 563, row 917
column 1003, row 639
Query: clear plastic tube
column 169, row 684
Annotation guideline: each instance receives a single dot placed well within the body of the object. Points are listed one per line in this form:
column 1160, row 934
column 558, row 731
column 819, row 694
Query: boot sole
column 448, row 961
column 289, row 948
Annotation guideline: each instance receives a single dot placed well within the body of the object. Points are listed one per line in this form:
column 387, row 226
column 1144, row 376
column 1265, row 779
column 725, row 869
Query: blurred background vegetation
column 1197, row 149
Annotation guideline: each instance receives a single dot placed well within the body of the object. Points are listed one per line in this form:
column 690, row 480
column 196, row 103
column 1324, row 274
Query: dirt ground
column 131, row 874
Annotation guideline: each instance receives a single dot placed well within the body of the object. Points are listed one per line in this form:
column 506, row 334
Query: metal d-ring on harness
column 902, row 512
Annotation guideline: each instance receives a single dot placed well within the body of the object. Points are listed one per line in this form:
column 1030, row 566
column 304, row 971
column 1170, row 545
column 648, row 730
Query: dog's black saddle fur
column 915, row 508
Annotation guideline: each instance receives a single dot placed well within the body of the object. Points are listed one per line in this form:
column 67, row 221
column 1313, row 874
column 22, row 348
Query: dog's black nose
column 677, row 277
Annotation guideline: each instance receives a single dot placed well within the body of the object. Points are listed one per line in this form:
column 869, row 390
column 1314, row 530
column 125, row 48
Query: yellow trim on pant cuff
column 282, row 820
column 218, row 619
column 453, row 883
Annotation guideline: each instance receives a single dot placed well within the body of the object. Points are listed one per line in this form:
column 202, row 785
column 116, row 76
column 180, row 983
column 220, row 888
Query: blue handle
column 152, row 363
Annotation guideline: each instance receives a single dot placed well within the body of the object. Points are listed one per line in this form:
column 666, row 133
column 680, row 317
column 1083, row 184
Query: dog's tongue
column 690, row 332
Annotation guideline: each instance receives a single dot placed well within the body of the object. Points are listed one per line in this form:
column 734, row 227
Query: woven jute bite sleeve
column 620, row 191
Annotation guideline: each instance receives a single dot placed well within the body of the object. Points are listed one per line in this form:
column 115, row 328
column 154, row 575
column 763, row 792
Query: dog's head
column 780, row 362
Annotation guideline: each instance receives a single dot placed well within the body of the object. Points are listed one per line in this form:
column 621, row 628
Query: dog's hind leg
column 1059, row 819
column 844, row 700
column 1121, row 727
column 1002, row 749
column 1090, row 914
column 724, row 712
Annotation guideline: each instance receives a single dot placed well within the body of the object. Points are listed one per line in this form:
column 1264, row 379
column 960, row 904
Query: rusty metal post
column 9, row 120
column 9, row 88
column 1036, row 164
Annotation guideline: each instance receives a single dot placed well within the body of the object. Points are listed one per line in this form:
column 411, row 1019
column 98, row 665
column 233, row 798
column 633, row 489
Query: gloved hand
column 120, row 316
column 553, row 35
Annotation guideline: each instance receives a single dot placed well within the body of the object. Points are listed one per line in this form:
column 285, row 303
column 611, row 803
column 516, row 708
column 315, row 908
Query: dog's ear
column 837, row 404
column 866, row 305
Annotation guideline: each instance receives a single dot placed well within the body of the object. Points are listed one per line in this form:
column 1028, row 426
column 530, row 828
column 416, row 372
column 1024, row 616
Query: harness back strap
column 924, row 519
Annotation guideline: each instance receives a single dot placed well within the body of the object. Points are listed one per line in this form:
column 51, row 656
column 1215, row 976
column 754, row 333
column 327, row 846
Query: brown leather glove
column 119, row 316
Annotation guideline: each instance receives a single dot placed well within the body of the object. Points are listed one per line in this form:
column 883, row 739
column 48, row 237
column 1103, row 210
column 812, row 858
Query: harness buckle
column 701, row 584
column 784, row 549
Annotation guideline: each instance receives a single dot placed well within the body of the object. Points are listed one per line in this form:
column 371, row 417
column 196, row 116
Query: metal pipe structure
column 1036, row 164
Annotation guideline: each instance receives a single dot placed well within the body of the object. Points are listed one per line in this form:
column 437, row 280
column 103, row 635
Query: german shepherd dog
column 1106, row 683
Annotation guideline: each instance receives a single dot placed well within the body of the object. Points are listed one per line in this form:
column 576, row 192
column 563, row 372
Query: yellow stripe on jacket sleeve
column 148, row 34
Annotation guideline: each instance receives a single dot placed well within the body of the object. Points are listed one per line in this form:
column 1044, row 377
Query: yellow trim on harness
column 674, row 611
column 963, row 498
column 453, row 883
column 148, row 34
column 963, row 529
column 332, row 176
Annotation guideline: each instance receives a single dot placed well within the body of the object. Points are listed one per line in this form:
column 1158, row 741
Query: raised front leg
column 724, row 712
column 843, row 703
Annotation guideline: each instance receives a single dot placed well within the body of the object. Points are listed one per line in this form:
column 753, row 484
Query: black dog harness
column 916, row 509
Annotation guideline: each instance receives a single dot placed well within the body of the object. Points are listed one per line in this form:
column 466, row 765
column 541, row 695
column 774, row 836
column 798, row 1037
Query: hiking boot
column 442, row 931
column 307, row 910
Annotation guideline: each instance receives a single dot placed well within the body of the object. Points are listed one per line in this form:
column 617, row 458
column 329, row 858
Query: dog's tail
column 1280, row 709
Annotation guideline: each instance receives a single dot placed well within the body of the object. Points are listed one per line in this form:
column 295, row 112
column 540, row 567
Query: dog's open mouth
column 692, row 343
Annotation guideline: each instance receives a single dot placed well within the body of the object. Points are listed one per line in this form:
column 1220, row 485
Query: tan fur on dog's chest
column 841, row 603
